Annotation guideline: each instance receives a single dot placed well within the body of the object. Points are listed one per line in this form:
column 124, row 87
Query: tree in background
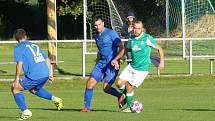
column 28, row 13
column 22, row 14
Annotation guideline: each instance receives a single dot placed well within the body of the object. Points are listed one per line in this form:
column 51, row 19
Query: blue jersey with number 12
column 33, row 58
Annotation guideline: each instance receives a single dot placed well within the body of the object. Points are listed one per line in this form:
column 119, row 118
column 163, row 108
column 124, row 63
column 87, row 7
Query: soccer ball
column 136, row 107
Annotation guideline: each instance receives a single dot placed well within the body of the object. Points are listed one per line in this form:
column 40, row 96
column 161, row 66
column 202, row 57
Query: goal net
column 200, row 16
column 199, row 19
column 107, row 10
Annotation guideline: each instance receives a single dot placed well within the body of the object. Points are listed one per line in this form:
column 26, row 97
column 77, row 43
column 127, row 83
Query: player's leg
column 90, row 84
column 109, row 79
column 120, row 84
column 124, row 76
column 110, row 90
column 129, row 97
column 39, row 90
column 20, row 98
column 129, row 94
column 110, row 76
column 43, row 93
column 95, row 76
column 113, row 91
column 137, row 79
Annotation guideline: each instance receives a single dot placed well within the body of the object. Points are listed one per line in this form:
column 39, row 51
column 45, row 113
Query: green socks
column 129, row 99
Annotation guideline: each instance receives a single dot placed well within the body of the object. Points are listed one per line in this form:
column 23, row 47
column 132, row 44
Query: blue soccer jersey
column 33, row 58
column 107, row 42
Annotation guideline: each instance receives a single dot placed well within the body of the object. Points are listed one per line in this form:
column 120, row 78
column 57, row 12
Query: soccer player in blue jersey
column 110, row 50
column 36, row 66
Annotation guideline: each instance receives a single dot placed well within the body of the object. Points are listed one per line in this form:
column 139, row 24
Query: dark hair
column 97, row 17
column 19, row 34
column 139, row 21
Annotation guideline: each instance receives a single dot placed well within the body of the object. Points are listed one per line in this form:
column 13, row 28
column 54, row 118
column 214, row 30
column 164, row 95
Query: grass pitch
column 70, row 61
column 164, row 99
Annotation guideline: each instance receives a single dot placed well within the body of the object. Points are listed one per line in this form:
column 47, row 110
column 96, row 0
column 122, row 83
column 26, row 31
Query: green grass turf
column 71, row 55
column 164, row 99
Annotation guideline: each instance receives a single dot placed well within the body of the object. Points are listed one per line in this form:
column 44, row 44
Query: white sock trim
column 122, row 87
column 53, row 98
column 130, row 94
column 25, row 110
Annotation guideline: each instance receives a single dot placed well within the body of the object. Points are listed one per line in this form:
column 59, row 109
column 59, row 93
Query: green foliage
column 160, row 2
column 22, row 1
column 74, row 8
column 22, row 14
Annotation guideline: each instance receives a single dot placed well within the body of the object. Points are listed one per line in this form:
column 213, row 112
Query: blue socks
column 20, row 101
column 89, row 94
column 114, row 92
column 20, row 98
column 88, row 97
column 44, row 94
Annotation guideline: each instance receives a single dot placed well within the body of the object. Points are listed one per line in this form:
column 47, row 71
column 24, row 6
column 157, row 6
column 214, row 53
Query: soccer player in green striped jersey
column 133, row 75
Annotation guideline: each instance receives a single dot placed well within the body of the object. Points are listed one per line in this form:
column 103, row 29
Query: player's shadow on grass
column 75, row 110
column 8, row 117
column 198, row 109
column 67, row 109
column 62, row 72
column 3, row 72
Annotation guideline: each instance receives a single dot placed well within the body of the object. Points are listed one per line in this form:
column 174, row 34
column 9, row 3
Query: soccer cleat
column 121, row 101
column 84, row 110
column 127, row 110
column 25, row 115
column 58, row 103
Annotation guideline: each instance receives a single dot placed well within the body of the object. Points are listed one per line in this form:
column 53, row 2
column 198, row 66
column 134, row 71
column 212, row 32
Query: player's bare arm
column 115, row 61
column 161, row 53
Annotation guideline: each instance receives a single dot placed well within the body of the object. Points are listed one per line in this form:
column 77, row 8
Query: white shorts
column 134, row 77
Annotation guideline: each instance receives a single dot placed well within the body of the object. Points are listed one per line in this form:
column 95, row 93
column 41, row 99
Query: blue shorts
column 107, row 73
column 29, row 84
